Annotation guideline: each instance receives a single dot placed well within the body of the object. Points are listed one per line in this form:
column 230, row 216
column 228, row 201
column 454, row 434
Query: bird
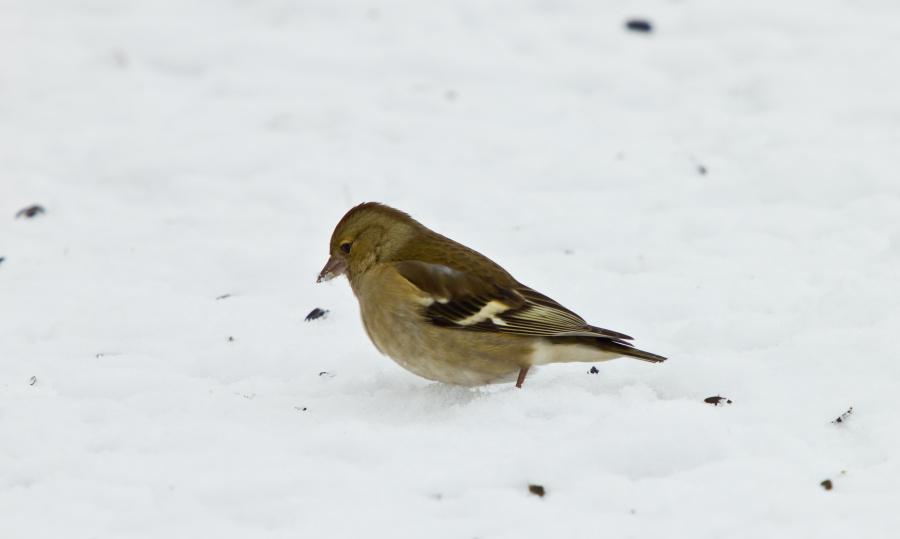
column 447, row 313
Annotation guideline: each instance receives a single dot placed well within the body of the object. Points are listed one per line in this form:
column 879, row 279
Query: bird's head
column 367, row 234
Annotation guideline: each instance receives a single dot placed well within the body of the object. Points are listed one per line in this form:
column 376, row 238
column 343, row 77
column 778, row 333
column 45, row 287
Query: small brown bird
column 448, row 313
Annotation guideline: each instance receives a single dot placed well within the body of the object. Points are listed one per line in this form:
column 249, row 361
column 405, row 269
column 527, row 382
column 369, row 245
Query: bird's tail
column 627, row 350
column 605, row 344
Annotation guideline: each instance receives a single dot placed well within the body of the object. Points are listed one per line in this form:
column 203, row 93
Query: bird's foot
column 521, row 378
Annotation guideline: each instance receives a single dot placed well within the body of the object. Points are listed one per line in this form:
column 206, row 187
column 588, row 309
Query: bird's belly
column 452, row 356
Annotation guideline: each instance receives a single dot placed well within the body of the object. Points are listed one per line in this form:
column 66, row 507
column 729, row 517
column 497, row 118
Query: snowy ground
column 188, row 150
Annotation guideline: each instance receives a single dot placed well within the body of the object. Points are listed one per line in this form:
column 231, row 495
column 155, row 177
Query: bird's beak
column 334, row 268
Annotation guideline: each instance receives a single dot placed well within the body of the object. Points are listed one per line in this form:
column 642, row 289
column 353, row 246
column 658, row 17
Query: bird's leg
column 521, row 378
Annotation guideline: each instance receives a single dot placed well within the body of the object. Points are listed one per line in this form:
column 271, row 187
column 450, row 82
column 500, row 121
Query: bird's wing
column 462, row 300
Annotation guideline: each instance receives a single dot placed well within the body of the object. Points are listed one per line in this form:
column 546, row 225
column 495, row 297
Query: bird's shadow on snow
column 391, row 396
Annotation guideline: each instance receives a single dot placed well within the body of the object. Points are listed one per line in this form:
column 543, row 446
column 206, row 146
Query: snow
column 724, row 189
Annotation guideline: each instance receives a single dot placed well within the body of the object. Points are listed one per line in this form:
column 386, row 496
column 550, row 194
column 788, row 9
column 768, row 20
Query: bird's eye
column 346, row 247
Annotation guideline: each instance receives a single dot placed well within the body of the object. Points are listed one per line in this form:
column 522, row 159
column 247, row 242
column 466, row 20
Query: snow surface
column 188, row 150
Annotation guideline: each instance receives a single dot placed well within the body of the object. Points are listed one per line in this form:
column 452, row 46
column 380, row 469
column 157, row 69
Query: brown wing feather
column 470, row 302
